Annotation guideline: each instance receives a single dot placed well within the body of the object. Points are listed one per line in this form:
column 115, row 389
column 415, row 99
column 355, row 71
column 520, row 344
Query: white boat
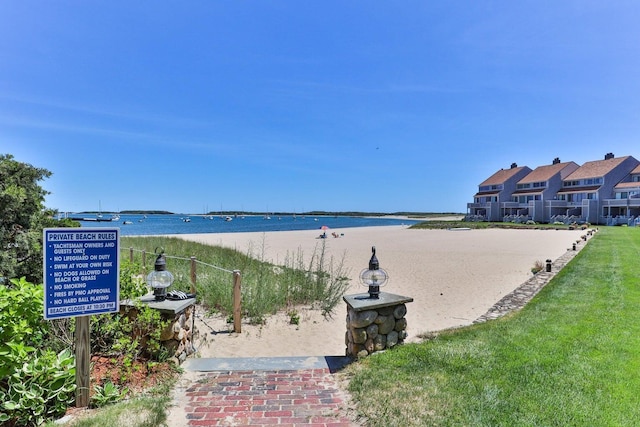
column 228, row 218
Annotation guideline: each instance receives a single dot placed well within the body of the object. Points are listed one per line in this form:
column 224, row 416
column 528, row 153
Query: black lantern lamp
column 160, row 279
column 374, row 277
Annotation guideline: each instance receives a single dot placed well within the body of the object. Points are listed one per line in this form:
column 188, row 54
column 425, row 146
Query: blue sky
column 299, row 105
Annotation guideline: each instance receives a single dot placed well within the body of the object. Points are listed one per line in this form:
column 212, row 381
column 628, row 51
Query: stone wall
column 178, row 336
column 520, row 296
column 374, row 330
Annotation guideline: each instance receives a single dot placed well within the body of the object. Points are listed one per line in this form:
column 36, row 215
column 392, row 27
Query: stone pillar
column 375, row 324
column 179, row 335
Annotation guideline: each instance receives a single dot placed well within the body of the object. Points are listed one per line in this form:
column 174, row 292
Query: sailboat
column 99, row 216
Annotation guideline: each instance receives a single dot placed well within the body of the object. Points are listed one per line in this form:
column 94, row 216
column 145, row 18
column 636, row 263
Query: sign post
column 81, row 278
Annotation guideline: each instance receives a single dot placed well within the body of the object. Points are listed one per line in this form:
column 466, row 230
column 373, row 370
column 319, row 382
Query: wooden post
column 144, row 260
column 131, row 254
column 237, row 301
column 193, row 275
column 83, row 360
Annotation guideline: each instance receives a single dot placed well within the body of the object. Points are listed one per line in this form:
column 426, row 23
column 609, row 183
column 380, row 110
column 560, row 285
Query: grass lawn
column 570, row 358
column 147, row 410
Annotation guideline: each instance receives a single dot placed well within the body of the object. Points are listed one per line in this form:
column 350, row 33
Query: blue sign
column 81, row 271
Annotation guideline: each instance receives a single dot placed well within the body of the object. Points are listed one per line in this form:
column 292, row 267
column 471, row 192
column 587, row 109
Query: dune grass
column 303, row 279
column 570, row 357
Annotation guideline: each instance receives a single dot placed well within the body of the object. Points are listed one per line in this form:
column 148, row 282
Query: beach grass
column 570, row 357
column 313, row 280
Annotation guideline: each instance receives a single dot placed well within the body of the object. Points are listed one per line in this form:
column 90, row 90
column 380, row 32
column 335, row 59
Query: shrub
column 42, row 388
column 35, row 383
column 22, row 327
column 129, row 336
column 537, row 267
column 21, row 322
column 132, row 283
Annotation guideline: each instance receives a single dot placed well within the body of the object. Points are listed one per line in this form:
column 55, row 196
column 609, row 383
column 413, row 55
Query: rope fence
column 236, row 280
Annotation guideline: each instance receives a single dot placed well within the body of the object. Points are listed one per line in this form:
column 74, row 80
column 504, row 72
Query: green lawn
column 570, row 358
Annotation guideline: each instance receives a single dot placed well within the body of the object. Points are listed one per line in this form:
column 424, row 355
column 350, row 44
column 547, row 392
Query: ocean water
column 180, row 224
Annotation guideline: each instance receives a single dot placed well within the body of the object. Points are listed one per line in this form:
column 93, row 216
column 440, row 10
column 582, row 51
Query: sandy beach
column 453, row 276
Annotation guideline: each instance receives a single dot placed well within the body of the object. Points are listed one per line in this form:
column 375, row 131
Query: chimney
column 514, row 165
column 556, row 161
column 608, row 156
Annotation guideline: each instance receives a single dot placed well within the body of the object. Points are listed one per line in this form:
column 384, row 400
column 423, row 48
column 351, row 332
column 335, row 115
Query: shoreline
column 453, row 277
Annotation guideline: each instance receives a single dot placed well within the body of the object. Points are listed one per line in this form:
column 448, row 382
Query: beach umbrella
column 324, row 227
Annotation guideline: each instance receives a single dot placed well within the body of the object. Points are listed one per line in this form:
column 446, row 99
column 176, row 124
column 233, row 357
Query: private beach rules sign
column 81, row 271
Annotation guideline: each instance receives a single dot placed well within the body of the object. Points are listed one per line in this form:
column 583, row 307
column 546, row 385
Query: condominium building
column 624, row 207
column 494, row 191
column 600, row 192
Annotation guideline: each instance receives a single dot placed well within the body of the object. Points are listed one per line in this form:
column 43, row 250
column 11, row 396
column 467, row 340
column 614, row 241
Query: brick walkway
column 283, row 397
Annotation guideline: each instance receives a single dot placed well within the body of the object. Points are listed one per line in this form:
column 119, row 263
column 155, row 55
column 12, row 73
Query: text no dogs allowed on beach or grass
column 81, row 271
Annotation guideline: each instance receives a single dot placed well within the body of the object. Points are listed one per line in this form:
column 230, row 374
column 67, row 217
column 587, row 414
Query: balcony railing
column 615, row 202
column 631, row 221
column 633, row 202
column 510, row 204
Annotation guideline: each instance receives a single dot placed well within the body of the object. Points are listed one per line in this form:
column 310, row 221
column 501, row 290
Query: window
column 490, row 187
column 588, row 181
